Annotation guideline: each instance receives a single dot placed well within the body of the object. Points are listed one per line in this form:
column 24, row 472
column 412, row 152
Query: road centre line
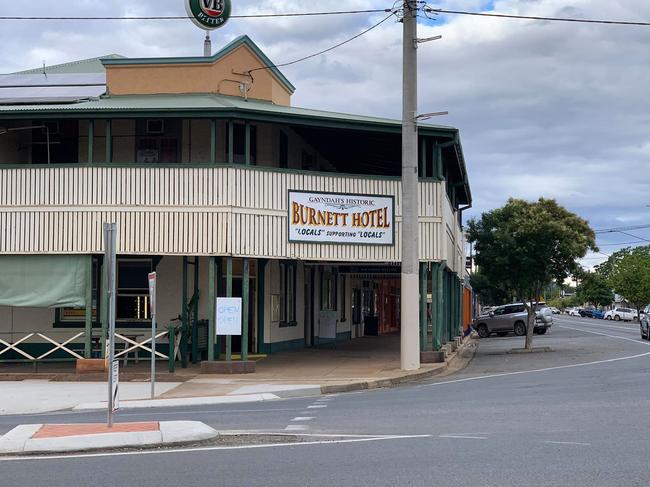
column 568, row 443
column 634, row 340
column 635, row 329
column 217, row 448
column 317, row 406
column 464, row 437
column 546, row 369
column 303, row 418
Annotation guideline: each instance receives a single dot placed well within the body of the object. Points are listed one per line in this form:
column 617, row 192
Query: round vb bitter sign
column 208, row 14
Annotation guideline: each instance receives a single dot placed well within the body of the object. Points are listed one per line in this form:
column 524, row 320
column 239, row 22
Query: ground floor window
column 287, row 296
column 133, row 289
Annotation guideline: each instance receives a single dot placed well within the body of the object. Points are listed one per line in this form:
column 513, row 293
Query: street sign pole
column 110, row 234
column 152, row 301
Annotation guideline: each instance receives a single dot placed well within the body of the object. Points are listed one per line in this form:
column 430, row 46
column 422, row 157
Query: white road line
column 626, row 328
column 519, row 372
column 464, row 437
column 153, row 412
column 213, row 448
column 635, row 340
column 567, row 443
column 296, row 427
column 303, row 418
column 317, row 406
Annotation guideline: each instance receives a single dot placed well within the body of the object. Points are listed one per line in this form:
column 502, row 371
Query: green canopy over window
column 43, row 281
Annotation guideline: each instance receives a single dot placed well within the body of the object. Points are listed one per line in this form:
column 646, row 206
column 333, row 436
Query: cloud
column 545, row 109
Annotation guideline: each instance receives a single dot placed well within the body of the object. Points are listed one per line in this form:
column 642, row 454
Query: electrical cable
column 186, row 17
column 617, row 229
column 634, row 236
column 620, row 243
column 304, row 58
column 535, row 17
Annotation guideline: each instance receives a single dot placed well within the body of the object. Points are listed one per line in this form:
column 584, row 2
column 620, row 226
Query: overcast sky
column 560, row 110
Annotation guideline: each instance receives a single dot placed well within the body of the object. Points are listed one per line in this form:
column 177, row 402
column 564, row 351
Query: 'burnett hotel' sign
column 341, row 218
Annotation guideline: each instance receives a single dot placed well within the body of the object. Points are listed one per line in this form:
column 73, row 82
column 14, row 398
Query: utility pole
column 410, row 323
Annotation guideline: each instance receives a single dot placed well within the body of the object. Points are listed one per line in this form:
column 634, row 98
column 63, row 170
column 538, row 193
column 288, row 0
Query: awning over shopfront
column 45, row 281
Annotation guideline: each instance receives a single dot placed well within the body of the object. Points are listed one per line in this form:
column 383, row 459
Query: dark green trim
column 196, row 295
column 439, row 303
column 229, row 295
column 261, row 300
column 212, row 288
column 234, row 44
column 245, row 302
column 109, row 141
column 103, row 309
column 247, row 143
column 286, row 345
column 423, row 307
column 88, row 313
column 184, row 323
column 228, row 113
column 91, row 141
column 231, row 142
column 213, row 141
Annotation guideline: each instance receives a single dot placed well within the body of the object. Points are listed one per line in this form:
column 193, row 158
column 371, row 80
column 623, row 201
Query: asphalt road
column 575, row 416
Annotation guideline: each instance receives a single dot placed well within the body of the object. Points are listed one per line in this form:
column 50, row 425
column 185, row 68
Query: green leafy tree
column 595, row 289
column 607, row 268
column 490, row 293
column 525, row 246
column 631, row 278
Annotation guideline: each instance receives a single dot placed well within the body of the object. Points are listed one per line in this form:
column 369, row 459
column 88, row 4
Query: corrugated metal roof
column 40, row 79
column 200, row 103
column 91, row 65
column 16, row 89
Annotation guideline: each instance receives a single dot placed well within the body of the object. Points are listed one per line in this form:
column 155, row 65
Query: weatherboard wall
column 212, row 210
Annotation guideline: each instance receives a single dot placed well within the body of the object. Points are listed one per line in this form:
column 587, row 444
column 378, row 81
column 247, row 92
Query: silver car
column 512, row 318
column 644, row 323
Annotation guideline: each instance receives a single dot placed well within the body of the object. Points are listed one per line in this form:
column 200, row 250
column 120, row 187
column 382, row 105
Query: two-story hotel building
column 222, row 187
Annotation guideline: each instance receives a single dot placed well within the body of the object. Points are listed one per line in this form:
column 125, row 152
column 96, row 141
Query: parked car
column 625, row 314
column 644, row 323
column 598, row 314
column 573, row 311
column 554, row 310
column 513, row 318
column 586, row 312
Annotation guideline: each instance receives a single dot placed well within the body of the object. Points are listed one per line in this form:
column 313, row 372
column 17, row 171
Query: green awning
column 43, row 281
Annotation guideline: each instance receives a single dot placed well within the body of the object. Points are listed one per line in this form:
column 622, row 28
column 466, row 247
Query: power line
column 304, row 58
column 620, row 243
column 186, row 17
column 634, row 236
column 618, row 229
column 534, row 17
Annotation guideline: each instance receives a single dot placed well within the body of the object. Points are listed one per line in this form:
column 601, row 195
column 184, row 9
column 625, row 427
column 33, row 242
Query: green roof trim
column 227, row 107
column 90, row 65
column 205, row 105
column 231, row 46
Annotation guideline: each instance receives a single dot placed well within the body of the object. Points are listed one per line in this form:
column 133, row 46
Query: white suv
column 625, row 314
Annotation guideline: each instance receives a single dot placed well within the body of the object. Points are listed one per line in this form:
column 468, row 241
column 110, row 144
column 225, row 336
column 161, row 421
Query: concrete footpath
column 364, row 363
column 60, row 438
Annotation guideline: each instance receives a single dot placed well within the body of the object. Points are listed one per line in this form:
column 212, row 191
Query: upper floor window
column 158, row 141
column 239, row 143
